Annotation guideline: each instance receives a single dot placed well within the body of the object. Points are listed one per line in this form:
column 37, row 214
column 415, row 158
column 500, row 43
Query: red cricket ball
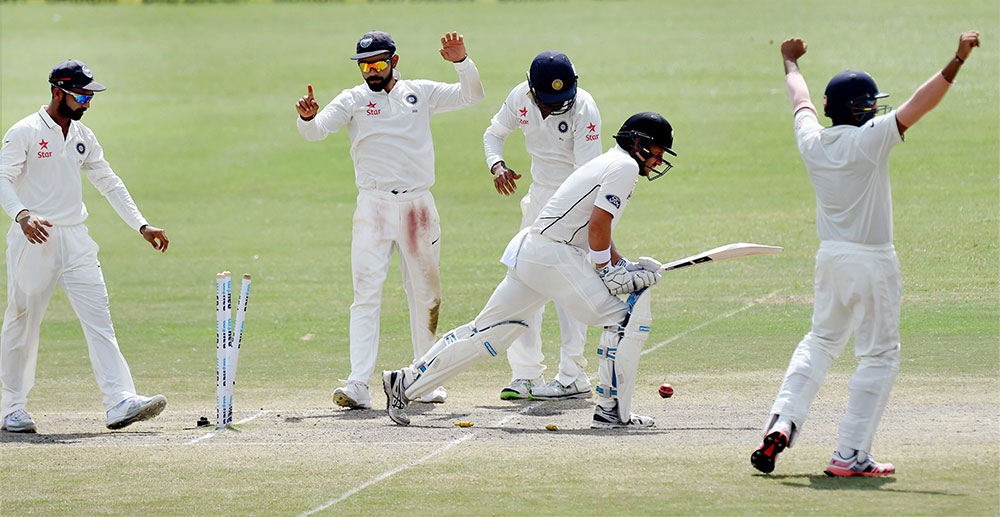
column 666, row 390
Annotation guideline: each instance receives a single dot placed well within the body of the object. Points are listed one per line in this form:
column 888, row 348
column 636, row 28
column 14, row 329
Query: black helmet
column 552, row 80
column 642, row 131
column 850, row 98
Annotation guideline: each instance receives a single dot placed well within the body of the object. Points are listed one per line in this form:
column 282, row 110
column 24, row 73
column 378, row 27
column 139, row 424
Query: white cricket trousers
column 407, row 222
column 67, row 258
column 525, row 354
column 858, row 289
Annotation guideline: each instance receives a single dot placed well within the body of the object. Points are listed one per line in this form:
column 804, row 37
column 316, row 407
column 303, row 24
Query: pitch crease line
column 389, row 473
column 711, row 321
column 216, row 431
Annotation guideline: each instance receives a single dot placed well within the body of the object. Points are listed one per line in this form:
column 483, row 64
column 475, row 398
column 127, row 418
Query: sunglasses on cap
column 377, row 66
column 78, row 97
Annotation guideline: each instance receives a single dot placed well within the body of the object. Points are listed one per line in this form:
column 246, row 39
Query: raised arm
column 931, row 92
column 798, row 92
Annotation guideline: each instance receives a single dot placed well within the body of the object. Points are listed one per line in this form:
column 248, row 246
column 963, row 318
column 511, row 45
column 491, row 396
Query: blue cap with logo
column 553, row 77
column 74, row 74
column 373, row 43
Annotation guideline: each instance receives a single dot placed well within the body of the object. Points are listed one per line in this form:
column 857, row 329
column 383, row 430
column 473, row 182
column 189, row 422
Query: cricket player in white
column 549, row 260
column 562, row 131
column 48, row 244
column 388, row 122
column 858, row 284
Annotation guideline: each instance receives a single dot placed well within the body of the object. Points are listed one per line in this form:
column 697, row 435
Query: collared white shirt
column 849, row 169
column 390, row 132
column 606, row 182
column 558, row 144
column 40, row 170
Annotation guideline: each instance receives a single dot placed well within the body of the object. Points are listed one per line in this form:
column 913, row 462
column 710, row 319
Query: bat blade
column 729, row 251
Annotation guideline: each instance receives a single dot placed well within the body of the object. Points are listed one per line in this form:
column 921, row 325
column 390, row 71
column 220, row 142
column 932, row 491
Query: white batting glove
column 617, row 279
column 650, row 264
column 642, row 279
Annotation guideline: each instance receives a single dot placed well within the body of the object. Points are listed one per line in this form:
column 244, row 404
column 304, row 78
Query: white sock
column 782, row 421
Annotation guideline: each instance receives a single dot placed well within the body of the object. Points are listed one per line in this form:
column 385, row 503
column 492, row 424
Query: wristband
column 142, row 228
column 27, row 214
column 600, row 257
column 960, row 60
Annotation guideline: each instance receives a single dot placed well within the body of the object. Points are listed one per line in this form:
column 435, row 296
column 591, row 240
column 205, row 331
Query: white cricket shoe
column 856, row 466
column 554, row 390
column 353, row 395
column 18, row 421
column 520, row 388
column 395, row 396
column 438, row 396
column 608, row 419
column 135, row 409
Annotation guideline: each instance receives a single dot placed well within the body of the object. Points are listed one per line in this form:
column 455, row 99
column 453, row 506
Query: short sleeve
column 616, row 187
column 879, row 136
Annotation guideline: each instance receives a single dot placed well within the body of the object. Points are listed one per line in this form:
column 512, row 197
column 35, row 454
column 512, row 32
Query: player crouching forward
column 548, row 261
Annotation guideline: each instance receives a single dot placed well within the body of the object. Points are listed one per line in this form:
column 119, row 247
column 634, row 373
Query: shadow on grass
column 64, row 438
column 355, row 414
column 863, row 483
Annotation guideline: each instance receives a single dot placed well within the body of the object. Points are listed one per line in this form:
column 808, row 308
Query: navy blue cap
column 74, row 74
column 373, row 43
column 553, row 77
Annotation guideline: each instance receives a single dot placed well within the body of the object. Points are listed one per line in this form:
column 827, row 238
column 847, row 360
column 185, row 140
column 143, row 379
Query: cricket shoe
column 520, row 388
column 554, row 390
column 135, row 409
column 845, row 467
column 353, row 395
column 18, row 421
column 608, row 419
column 775, row 441
column 438, row 396
column 395, row 396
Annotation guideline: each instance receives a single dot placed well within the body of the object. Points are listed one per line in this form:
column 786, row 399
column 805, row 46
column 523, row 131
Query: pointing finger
column 310, row 91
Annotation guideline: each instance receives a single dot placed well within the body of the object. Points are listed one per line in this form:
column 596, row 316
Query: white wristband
column 600, row 257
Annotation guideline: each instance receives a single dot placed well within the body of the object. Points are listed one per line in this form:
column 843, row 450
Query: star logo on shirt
column 592, row 127
column 524, row 112
column 44, row 144
column 371, row 104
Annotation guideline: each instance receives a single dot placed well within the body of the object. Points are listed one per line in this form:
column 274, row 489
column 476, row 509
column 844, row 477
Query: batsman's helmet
column 642, row 131
column 850, row 98
column 552, row 80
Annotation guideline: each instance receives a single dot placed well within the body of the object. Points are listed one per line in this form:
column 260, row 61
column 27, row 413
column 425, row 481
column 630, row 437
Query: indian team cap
column 373, row 43
column 553, row 77
column 74, row 74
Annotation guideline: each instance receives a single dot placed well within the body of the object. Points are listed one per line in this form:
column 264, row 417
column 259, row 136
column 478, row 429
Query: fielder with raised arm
column 551, row 260
column 388, row 122
column 857, row 286
column 562, row 131
column 48, row 244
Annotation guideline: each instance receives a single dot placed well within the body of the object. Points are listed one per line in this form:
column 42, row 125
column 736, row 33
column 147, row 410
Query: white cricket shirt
column 605, row 182
column 558, row 144
column 40, row 171
column 391, row 132
column 849, row 169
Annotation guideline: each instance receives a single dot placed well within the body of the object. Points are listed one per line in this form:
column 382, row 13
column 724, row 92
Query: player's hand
column 642, row 279
column 793, row 48
column 453, row 47
column 616, row 278
column 966, row 41
column 33, row 228
column 307, row 106
column 503, row 178
column 155, row 236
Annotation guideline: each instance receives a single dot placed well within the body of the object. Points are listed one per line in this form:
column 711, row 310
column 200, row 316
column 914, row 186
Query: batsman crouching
column 548, row 261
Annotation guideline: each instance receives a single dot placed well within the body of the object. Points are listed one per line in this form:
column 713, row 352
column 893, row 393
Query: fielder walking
column 551, row 260
column 48, row 244
column 562, row 131
column 857, row 286
column 388, row 122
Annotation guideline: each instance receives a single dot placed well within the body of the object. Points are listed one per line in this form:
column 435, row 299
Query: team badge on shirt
column 614, row 200
column 563, row 127
column 412, row 99
column 80, row 148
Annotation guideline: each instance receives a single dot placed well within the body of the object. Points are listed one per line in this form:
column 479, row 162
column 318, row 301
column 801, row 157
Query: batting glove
column 617, row 279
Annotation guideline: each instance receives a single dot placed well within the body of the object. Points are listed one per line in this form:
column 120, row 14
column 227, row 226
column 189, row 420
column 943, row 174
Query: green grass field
column 199, row 122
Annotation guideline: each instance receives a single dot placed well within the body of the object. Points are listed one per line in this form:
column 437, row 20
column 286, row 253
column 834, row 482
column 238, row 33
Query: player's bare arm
column 453, row 47
column 798, row 92
column 931, row 92
column 157, row 237
column 33, row 227
column 307, row 106
column 503, row 178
